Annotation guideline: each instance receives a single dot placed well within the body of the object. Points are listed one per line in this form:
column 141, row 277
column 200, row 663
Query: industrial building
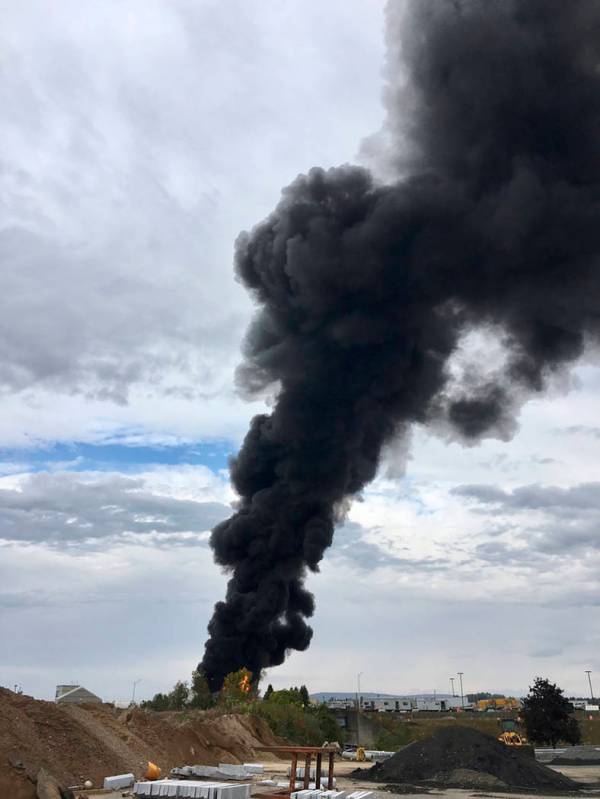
column 389, row 703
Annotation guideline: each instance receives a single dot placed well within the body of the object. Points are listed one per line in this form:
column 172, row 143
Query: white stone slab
column 204, row 771
column 254, row 768
column 233, row 770
column 119, row 781
column 301, row 769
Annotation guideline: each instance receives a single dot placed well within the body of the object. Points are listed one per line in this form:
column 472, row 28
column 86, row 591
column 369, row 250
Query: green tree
column 158, row 702
column 179, row 696
column 200, row 694
column 237, row 688
column 547, row 715
column 304, row 695
column 268, row 692
column 287, row 696
column 330, row 729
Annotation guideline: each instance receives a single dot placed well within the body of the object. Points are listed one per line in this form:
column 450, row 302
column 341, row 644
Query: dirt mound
column 79, row 742
column 461, row 757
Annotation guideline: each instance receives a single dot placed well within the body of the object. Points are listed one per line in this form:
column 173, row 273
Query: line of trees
column 237, row 689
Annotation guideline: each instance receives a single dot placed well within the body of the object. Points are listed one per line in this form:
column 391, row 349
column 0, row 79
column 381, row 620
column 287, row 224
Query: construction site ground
column 278, row 770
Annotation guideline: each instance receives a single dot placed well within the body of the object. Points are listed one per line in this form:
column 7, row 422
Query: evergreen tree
column 547, row 715
column 268, row 692
column 304, row 695
column 200, row 695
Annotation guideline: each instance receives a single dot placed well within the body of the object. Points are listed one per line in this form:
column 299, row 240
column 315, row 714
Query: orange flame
column 245, row 684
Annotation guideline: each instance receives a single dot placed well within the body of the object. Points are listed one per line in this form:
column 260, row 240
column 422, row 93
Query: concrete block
column 118, row 781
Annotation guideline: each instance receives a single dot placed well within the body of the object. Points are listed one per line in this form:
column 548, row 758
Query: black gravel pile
column 465, row 758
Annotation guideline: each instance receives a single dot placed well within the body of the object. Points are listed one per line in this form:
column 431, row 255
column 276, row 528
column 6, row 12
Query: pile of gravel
column 462, row 757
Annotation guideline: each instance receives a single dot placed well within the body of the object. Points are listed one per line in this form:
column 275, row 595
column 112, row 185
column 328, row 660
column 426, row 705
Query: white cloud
column 137, row 143
column 89, row 508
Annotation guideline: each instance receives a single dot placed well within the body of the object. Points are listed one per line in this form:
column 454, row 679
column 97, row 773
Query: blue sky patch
column 77, row 456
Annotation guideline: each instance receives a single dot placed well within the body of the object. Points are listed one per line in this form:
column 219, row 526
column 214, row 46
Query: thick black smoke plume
column 365, row 290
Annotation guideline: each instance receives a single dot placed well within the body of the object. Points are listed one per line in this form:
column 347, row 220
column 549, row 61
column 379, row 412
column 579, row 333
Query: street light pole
column 462, row 696
column 135, row 682
column 452, row 684
column 589, row 673
column 358, row 709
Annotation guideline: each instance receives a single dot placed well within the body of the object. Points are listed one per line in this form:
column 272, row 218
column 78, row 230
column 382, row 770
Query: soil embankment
column 465, row 758
column 75, row 743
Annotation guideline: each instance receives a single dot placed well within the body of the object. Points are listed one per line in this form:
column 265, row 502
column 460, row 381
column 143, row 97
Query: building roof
column 75, row 693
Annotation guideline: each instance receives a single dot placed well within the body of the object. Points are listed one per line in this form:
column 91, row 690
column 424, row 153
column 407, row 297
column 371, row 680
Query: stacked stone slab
column 319, row 794
column 300, row 771
column 312, row 785
column 191, row 789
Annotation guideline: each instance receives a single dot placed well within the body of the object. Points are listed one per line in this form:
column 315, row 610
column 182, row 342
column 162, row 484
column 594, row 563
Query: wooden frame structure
column 306, row 752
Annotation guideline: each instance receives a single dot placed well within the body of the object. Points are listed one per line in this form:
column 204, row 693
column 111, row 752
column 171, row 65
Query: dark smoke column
column 365, row 290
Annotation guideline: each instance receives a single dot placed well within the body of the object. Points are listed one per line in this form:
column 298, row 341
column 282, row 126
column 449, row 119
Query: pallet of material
column 192, row 789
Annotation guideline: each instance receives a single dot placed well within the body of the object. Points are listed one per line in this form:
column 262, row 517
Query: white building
column 75, row 695
column 389, row 705
column 441, row 705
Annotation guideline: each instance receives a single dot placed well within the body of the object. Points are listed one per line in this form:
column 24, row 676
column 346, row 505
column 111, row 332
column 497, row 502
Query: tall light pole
column 135, row 682
column 589, row 673
column 358, row 708
column 462, row 696
column 452, row 684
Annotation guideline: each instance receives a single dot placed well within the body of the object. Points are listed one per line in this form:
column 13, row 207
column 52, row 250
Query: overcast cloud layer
column 136, row 143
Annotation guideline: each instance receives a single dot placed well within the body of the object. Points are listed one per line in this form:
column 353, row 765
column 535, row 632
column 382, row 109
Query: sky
column 138, row 140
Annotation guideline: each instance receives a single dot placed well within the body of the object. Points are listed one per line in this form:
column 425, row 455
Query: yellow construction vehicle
column 512, row 739
column 509, row 735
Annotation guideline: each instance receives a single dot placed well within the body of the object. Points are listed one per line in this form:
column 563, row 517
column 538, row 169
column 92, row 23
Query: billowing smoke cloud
column 365, row 290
